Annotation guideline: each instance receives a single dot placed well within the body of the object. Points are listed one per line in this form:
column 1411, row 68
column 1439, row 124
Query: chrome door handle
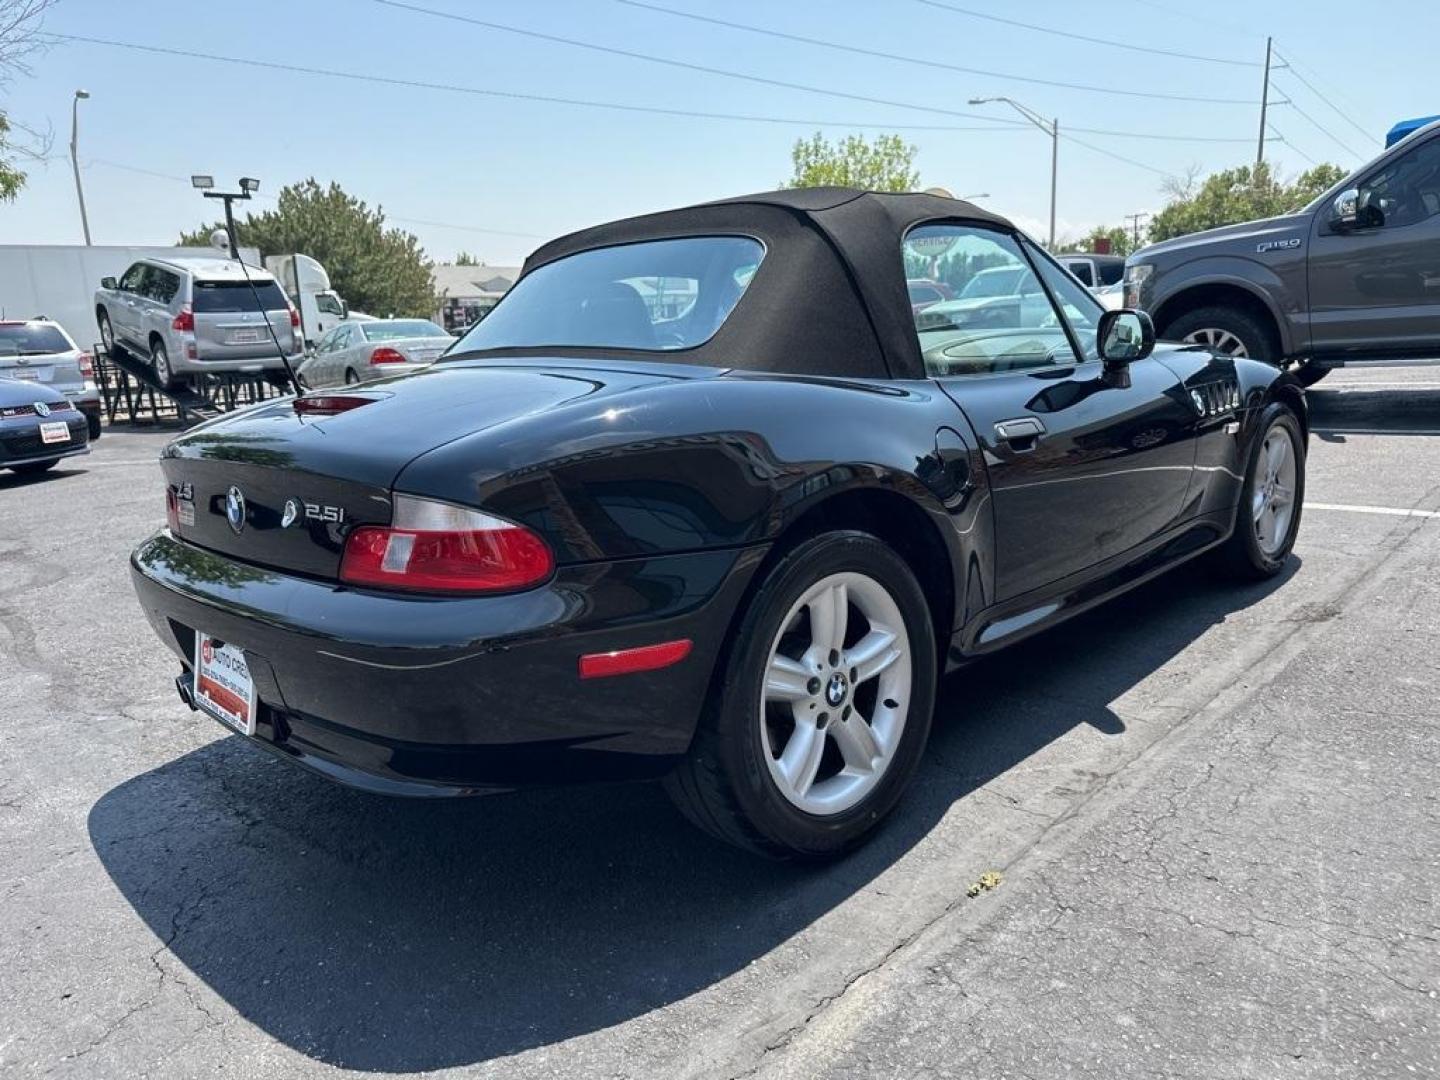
column 1023, row 428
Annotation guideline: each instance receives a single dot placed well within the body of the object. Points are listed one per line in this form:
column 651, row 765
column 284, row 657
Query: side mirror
column 108, row 283
column 344, row 310
column 1344, row 211
column 1125, row 336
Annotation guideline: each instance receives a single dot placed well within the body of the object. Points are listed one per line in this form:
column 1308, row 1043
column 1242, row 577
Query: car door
column 1375, row 283
column 125, row 318
column 1085, row 465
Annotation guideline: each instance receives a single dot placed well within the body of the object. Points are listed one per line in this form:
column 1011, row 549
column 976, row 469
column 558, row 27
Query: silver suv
column 189, row 316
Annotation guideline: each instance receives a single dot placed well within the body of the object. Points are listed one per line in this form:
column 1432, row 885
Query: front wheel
column 107, row 334
column 823, row 706
column 1225, row 330
column 1267, row 519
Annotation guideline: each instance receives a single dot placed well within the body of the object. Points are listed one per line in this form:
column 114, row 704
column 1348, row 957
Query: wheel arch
column 1224, row 292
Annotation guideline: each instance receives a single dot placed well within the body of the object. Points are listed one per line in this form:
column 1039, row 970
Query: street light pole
column 1049, row 127
column 80, row 95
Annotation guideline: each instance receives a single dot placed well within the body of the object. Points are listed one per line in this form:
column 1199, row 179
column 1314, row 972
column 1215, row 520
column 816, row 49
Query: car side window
column 130, row 280
column 1081, row 269
column 1408, row 189
column 1000, row 320
column 342, row 337
column 161, row 285
column 1080, row 310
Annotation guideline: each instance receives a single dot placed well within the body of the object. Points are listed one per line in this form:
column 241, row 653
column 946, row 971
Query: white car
column 40, row 351
column 356, row 352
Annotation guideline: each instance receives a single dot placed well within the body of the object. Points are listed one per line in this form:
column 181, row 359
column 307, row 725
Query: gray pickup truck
column 1353, row 278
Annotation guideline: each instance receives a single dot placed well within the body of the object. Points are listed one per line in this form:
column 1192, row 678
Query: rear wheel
column 1226, row 330
column 34, row 467
column 1268, row 517
column 160, row 363
column 350, row 377
column 823, row 707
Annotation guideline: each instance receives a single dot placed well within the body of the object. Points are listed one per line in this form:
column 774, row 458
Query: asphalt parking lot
column 1213, row 810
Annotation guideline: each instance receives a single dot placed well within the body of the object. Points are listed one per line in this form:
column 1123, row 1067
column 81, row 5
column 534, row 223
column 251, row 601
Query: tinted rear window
column 221, row 296
column 31, row 339
column 401, row 328
column 658, row 295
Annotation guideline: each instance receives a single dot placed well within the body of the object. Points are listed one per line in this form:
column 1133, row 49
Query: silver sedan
column 356, row 352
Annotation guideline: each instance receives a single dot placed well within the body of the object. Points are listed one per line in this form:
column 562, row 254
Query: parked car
column 40, row 351
column 1103, row 275
column 188, row 316
column 1352, row 278
column 998, row 295
column 734, row 548
column 926, row 291
column 39, row 426
column 358, row 352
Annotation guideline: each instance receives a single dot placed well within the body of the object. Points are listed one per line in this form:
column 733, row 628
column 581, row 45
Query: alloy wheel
column 107, row 336
column 836, row 693
column 1222, row 341
column 160, row 360
column 1272, row 502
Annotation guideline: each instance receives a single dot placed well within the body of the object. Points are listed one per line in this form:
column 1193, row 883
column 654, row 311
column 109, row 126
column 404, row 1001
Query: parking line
column 1391, row 511
column 1373, row 431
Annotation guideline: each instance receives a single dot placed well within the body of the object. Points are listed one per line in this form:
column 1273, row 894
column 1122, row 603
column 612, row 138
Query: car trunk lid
column 230, row 320
column 302, row 480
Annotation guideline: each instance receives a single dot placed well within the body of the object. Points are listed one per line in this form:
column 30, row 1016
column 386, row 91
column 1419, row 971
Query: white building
column 464, row 294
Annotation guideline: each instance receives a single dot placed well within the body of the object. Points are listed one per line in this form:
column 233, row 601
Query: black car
column 698, row 501
column 38, row 427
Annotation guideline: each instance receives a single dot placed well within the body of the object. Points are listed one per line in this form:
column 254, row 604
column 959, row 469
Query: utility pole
column 1049, row 127
column 1264, row 104
column 1135, row 220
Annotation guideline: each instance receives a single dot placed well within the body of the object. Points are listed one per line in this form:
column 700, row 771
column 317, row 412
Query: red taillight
column 387, row 355
column 185, row 320
column 172, row 509
column 437, row 547
column 87, row 365
column 328, row 404
column 294, row 318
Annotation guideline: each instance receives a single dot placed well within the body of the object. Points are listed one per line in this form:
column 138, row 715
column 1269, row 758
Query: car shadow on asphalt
column 399, row 936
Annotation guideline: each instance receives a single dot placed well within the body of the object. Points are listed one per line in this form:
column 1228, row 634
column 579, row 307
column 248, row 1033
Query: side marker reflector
column 628, row 661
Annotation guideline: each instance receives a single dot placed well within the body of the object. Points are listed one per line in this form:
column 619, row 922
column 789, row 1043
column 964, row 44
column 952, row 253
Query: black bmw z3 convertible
column 707, row 498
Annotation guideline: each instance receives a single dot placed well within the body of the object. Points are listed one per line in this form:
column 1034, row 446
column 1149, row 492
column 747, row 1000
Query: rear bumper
column 425, row 696
column 229, row 363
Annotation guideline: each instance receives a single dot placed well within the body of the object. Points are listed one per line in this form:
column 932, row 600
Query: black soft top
column 829, row 297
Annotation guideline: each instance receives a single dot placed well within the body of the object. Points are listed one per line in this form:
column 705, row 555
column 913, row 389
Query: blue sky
column 468, row 162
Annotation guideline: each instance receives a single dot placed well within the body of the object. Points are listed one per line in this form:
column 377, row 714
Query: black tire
column 107, row 333
column 1241, row 556
column 351, row 379
column 1257, row 338
column 92, row 422
column 34, row 468
column 724, row 784
column 1310, row 374
column 160, row 364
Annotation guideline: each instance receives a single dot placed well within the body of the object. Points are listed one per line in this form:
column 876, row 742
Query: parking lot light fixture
column 249, row 183
column 203, row 183
column 79, row 96
column 1051, row 128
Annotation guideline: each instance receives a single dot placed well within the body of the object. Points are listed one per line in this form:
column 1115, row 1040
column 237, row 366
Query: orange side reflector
column 627, row 661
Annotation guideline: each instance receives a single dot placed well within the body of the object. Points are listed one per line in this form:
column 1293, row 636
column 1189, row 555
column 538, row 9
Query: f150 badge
column 1278, row 245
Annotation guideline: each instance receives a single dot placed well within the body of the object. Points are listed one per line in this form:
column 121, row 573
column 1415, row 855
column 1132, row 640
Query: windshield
column 392, row 330
column 228, row 296
column 660, row 295
column 992, row 283
column 31, row 339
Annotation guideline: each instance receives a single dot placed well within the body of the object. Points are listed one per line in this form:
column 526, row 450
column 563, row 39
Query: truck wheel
column 1229, row 331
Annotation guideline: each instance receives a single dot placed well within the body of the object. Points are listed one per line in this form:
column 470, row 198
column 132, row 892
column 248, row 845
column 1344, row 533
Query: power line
column 1322, row 128
column 923, row 62
column 1092, row 40
column 272, row 198
column 1117, row 157
column 1294, row 70
column 995, row 124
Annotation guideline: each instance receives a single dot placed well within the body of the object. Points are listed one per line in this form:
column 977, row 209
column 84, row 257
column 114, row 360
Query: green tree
column 1236, row 195
column 1122, row 240
column 376, row 269
column 12, row 179
column 20, row 39
column 466, row 259
column 886, row 164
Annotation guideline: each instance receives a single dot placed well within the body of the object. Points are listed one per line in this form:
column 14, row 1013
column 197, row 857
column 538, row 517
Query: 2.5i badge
column 297, row 510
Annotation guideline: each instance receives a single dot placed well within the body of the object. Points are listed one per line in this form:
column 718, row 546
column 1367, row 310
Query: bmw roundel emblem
column 41, row 409
column 235, row 509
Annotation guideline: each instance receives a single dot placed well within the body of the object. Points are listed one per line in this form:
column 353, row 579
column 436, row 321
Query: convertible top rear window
column 657, row 295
